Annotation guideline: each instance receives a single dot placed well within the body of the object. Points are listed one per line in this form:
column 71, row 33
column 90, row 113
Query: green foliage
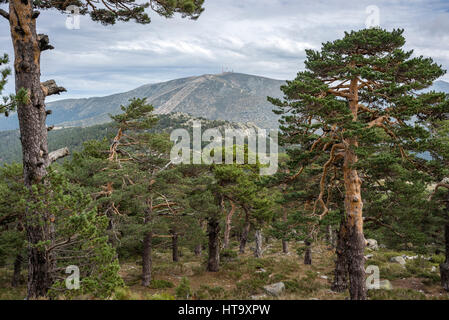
column 305, row 286
column 77, row 236
column 391, row 123
column 183, row 290
column 9, row 102
column 161, row 284
column 396, row 294
column 126, row 10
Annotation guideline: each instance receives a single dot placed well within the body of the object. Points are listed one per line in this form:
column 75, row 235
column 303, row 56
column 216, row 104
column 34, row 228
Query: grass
column 242, row 276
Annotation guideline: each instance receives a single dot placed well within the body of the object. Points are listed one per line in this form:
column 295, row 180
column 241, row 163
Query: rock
column 371, row 244
column 385, row 285
column 399, row 260
column 434, row 269
column 275, row 289
column 410, row 257
column 262, row 296
column 324, row 277
column 369, row 256
column 261, row 270
column 382, row 246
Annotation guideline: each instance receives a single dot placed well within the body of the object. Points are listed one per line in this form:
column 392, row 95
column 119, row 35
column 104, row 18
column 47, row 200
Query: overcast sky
column 261, row 37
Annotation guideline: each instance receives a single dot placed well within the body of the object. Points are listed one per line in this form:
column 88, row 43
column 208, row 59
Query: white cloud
column 263, row 37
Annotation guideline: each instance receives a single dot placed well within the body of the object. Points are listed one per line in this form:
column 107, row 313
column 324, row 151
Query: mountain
column 233, row 97
column 228, row 96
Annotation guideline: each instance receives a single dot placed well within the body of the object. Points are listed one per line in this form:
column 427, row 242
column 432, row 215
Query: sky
column 260, row 37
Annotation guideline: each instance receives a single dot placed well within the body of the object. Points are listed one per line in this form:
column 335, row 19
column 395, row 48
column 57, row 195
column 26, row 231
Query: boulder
column 275, row 289
column 372, row 244
column 399, row 260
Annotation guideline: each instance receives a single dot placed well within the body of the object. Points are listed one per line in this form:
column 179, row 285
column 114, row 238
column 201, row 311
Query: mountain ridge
column 234, row 97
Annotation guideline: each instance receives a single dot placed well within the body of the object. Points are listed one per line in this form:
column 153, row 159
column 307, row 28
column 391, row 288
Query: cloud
column 262, row 37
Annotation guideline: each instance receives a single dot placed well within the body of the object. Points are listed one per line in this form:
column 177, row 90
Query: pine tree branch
column 4, row 14
column 58, row 154
column 44, row 42
column 50, row 88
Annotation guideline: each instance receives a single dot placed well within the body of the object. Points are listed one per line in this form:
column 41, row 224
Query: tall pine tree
column 357, row 93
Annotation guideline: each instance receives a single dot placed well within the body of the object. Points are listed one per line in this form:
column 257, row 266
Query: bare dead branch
column 50, row 88
column 58, row 154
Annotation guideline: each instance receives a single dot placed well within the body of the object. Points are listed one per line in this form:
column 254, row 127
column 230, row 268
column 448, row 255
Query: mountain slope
column 228, row 96
column 233, row 97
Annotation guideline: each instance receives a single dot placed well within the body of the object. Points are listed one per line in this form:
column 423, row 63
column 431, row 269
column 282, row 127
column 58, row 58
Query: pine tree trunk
column 330, row 236
column 258, row 245
column 245, row 234
column 228, row 226
column 444, row 267
column 16, row 278
column 33, row 136
column 353, row 210
column 340, row 282
column 308, row 254
column 285, row 246
column 284, row 241
column 147, row 259
column 197, row 250
column 213, row 262
column 175, row 252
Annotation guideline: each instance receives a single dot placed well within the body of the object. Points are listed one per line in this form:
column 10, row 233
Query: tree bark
column 33, row 135
column 258, row 245
column 147, row 259
column 284, row 241
column 213, row 262
column 330, row 236
column 17, row 278
column 228, row 226
column 353, row 210
column 444, row 267
column 340, row 282
column 308, row 253
column 197, row 250
column 175, row 252
column 245, row 233
column 285, row 246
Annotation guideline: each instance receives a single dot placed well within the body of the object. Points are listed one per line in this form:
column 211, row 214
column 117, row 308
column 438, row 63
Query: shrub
column 183, row 290
column 161, row 284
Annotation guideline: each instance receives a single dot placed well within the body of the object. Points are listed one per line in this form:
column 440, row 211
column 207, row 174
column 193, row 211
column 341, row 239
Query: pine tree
column 28, row 46
column 77, row 234
column 357, row 93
